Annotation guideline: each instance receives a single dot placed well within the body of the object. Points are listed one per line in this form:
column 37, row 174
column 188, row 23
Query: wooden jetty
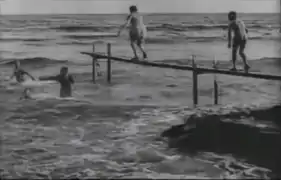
column 194, row 68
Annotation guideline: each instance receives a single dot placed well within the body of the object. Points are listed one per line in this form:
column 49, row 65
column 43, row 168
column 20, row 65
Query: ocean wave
column 232, row 130
column 81, row 42
column 84, row 28
column 160, row 41
column 156, row 27
column 149, row 40
column 165, row 39
column 33, row 61
column 74, row 43
column 178, row 39
column 88, row 36
column 100, row 39
column 184, row 27
column 165, row 26
column 12, row 39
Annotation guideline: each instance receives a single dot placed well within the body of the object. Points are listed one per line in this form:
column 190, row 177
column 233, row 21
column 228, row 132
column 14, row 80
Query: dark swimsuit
column 239, row 41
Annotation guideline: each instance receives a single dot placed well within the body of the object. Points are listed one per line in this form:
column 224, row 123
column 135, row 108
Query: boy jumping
column 239, row 39
column 137, row 31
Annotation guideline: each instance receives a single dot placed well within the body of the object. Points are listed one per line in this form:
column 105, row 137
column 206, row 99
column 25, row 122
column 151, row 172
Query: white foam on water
column 46, row 96
column 13, row 84
column 42, row 96
column 32, row 84
column 153, row 175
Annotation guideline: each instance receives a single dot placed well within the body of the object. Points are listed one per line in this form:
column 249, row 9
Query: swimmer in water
column 20, row 75
column 239, row 40
column 137, row 31
column 65, row 80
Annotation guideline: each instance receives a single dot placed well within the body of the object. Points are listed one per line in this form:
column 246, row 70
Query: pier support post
column 109, row 63
column 216, row 93
column 195, row 82
column 94, row 73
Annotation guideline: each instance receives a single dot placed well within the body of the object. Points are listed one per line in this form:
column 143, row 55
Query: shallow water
column 76, row 139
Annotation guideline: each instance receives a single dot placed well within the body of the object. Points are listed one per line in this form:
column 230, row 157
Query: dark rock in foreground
column 253, row 135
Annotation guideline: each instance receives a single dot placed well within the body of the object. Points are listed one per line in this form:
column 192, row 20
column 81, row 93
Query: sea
column 114, row 130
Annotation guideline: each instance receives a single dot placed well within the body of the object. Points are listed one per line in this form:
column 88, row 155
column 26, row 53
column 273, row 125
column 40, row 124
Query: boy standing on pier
column 239, row 39
column 137, row 31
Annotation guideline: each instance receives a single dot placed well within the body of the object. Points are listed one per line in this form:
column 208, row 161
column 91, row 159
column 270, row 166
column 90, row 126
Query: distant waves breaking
column 165, row 26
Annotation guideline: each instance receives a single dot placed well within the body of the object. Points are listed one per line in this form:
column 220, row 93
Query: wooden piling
column 109, row 63
column 195, row 82
column 216, row 94
column 94, row 73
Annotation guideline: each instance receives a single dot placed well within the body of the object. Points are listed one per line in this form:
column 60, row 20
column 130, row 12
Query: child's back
column 137, row 28
column 135, row 20
column 239, row 29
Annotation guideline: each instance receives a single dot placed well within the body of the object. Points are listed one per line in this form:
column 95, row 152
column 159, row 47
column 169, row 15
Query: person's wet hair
column 64, row 69
column 133, row 9
column 232, row 15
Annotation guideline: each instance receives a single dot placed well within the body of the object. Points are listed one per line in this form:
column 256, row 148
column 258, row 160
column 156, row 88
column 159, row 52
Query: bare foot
column 247, row 67
column 144, row 55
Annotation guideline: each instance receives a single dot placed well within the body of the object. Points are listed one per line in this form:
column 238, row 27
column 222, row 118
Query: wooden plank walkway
column 199, row 70
column 196, row 70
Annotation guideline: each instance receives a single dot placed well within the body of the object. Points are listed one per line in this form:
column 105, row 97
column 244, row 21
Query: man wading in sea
column 65, row 81
column 137, row 31
column 239, row 39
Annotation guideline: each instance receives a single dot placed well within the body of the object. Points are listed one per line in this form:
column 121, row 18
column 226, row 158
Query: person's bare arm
column 246, row 29
column 48, row 78
column 29, row 75
column 124, row 25
column 229, row 35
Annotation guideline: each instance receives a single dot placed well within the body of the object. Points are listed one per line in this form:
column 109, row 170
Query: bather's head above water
column 64, row 71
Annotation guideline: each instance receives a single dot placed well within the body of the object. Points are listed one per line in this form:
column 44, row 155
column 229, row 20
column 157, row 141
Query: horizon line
column 152, row 13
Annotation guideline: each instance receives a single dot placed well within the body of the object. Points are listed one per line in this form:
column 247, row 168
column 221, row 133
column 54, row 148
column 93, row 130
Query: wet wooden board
column 199, row 69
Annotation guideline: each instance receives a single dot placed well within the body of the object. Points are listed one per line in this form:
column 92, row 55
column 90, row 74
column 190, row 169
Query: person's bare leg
column 243, row 56
column 234, row 57
column 134, row 50
column 140, row 45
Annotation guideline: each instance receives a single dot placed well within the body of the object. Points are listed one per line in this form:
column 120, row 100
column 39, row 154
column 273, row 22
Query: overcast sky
column 146, row 6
